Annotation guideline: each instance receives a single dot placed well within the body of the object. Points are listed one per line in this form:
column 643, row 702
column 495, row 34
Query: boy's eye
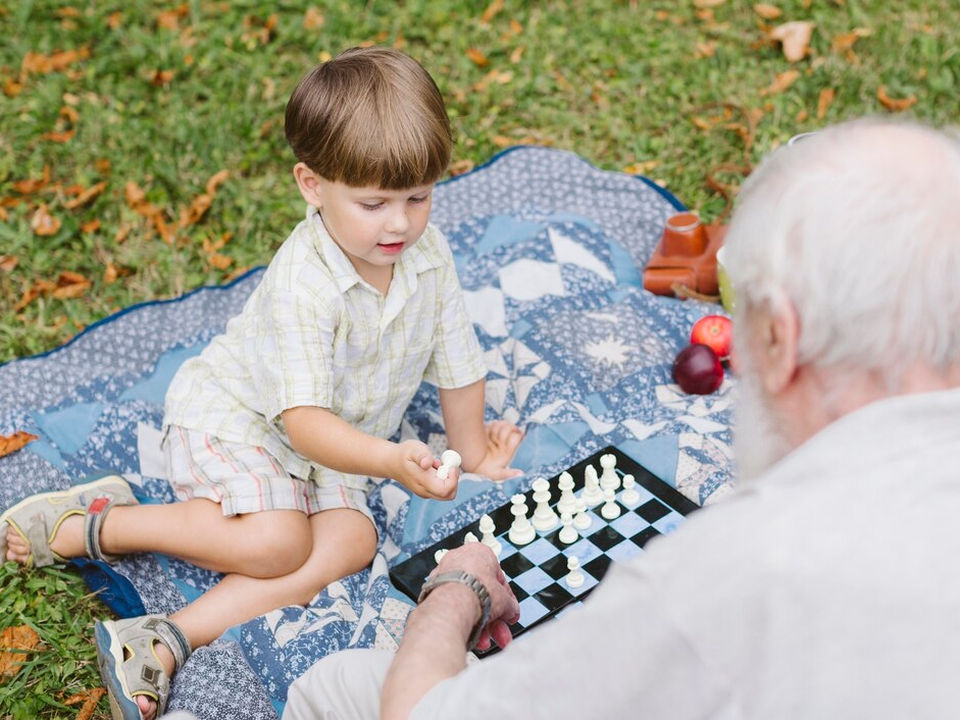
column 416, row 200
column 371, row 206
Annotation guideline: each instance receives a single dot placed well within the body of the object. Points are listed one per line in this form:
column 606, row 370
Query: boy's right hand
column 416, row 469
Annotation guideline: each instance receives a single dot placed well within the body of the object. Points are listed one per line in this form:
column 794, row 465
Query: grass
column 164, row 96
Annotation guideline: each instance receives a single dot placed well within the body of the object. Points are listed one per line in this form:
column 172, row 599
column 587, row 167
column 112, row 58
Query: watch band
column 464, row 578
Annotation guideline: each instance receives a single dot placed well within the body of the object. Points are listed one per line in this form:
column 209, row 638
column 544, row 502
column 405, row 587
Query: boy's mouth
column 391, row 248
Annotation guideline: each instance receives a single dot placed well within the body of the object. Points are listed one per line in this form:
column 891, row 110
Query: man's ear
column 309, row 184
column 779, row 336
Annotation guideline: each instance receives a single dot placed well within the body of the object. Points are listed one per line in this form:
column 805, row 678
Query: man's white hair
column 859, row 228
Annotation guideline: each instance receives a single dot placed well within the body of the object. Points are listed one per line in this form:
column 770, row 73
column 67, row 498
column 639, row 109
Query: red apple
column 697, row 369
column 715, row 331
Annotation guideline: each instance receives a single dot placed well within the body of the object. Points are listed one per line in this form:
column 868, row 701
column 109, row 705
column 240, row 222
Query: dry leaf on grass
column 895, row 104
column 844, row 43
column 86, row 196
column 461, row 166
column 43, row 223
column 767, row 12
column 89, row 698
column 28, row 187
column 10, row 444
column 826, row 98
column 70, row 285
column 313, row 19
column 707, row 3
column 8, row 262
column 477, row 57
column 782, row 81
column 492, row 10
column 795, row 38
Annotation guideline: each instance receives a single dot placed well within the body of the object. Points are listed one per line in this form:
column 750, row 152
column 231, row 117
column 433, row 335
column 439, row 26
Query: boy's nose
column 398, row 222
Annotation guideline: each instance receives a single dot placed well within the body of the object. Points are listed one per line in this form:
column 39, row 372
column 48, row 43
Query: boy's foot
column 67, row 543
column 148, row 706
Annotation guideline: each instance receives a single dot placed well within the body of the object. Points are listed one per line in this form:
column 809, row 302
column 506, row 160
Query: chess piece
column 568, row 501
column 470, row 538
column 582, row 521
column 591, row 487
column 610, row 509
column 448, row 461
column 629, row 496
column 609, row 480
column 575, row 577
column 521, row 531
column 568, row 534
column 487, row 537
column 544, row 518
column 438, row 555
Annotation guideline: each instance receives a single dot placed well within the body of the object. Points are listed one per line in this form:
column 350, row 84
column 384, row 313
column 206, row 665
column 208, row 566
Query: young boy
column 273, row 433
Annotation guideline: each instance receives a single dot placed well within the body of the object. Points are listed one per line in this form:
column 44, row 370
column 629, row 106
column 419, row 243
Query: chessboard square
column 589, row 582
column 539, row 550
column 596, row 523
column 531, row 610
column 556, row 567
column 533, row 580
column 645, row 497
column 584, row 551
column 629, row 524
column 515, row 565
column 624, row 551
column 652, row 510
column 506, row 549
column 669, row 523
column 518, row 592
column 606, row 537
column 597, row 567
column 644, row 536
column 553, row 597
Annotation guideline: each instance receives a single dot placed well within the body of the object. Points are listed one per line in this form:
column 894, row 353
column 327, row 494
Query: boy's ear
column 309, row 184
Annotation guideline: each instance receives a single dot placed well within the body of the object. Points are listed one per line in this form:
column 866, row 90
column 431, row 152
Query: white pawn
column 609, row 480
column 438, row 555
column 610, row 509
column 630, row 496
column 486, row 535
column 568, row 534
column 582, row 521
column 568, row 501
column 470, row 538
column 591, row 487
column 521, row 531
column 448, row 461
column 574, row 578
column 544, row 518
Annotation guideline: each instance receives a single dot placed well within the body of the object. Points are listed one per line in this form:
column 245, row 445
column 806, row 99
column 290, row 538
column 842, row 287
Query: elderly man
column 824, row 586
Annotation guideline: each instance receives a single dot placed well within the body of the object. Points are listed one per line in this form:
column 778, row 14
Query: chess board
column 537, row 570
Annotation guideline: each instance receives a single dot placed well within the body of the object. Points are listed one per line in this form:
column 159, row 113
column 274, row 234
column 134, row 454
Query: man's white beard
column 758, row 444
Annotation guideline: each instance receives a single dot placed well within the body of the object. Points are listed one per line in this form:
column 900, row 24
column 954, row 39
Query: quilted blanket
column 550, row 251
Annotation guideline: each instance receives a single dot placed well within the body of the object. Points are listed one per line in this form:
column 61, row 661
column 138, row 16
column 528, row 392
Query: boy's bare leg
column 343, row 542
column 264, row 544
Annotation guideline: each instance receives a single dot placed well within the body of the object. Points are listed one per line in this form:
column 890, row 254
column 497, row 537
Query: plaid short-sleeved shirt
column 313, row 333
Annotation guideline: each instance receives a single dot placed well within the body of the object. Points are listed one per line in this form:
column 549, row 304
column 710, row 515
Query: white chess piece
column 568, row 501
column 591, row 487
column 609, row 480
column 610, row 509
column 568, row 534
column 629, row 496
column 486, row 535
column 448, row 461
column 438, row 555
column 521, row 531
column 544, row 518
column 575, row 577
column 470, row 538
column 582, row 521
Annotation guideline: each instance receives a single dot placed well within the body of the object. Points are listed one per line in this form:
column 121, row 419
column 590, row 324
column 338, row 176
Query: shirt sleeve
column 290, row 351
column 457, row 359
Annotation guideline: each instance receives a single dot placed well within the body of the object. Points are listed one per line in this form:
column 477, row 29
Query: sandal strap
column 173, row 637
column 92, row 522
column 37, row 535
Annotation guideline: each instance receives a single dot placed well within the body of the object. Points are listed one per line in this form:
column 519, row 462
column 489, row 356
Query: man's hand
column 479, row 560
column 416, row 469
column 502, row 440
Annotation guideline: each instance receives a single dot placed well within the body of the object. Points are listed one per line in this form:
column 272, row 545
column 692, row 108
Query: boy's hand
column 416, row 469
column 503, row 439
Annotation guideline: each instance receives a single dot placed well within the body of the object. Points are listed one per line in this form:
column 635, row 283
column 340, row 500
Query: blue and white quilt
column 550, row 252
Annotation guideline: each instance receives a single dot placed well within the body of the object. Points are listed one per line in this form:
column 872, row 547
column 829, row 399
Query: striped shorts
column 245, row 478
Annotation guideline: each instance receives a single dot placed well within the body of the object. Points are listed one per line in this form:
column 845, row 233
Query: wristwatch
column 464, row 578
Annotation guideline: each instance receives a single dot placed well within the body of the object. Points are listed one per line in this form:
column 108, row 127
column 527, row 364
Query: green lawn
column 141, row 103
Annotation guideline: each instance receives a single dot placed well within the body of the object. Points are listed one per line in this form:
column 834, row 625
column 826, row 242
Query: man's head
column 371, row 134
column 845, row 257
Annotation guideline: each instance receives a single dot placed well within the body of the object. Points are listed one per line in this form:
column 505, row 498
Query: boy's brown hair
column 370, row 117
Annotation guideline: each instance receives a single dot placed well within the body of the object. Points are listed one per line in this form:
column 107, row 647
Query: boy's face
column 373, row 226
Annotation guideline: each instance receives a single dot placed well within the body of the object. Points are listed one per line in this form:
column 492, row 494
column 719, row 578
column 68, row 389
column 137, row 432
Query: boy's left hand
column 503, row 438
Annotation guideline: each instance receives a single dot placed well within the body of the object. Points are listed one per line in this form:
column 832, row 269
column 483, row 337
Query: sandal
column 37, row 518
column 140, row 672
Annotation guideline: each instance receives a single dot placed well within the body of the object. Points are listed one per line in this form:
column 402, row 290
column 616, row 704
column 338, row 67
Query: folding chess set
column 582, row 521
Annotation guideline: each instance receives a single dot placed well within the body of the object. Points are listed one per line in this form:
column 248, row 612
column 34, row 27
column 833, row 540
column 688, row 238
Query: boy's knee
column 276, row 546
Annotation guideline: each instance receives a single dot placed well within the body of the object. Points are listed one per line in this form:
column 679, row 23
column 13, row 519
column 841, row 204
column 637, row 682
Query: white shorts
column 245, row 478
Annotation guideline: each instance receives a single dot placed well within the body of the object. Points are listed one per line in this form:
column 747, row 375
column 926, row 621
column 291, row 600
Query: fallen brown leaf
column 515, row 27
column 102, row 165
column 11, row 88
column 28, row 187
column 163, row 229
column 39, row 64
column 11, row 636
column 501, row 141
column 313, row 19
column 114, row 20
column 70, row 285
column 159, row 78
column 192, row 214
column 86, row 196
column 92, row 226
column 216, row 180
column 795, row 38
column 89, row 698
column 844, row 43
column 826, row 98
column 767, row 12
column 782, row 81
column 220, row 262
column 43, row 223
column 8, row 262
column 70, row 113
column 110, row 273
column 705, row 49
column 477, row 57
column 707, row 3
column 492, row 10
column 170, row 19
column 59, row 136
column 641, row 168
column 461, row 166
column 895, row 104
column 133, row 194
column 516, row 54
